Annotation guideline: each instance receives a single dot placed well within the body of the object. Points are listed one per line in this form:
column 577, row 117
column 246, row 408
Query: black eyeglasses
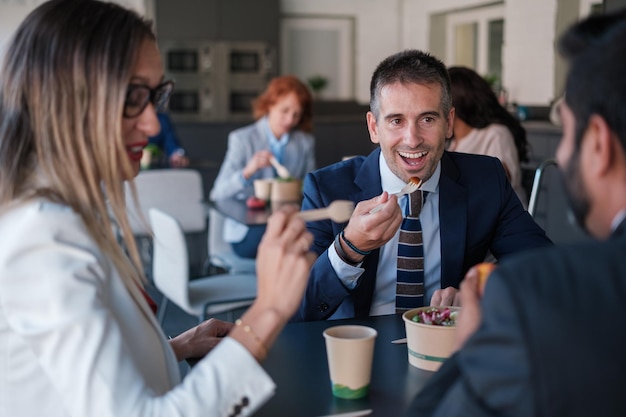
column 138, row 96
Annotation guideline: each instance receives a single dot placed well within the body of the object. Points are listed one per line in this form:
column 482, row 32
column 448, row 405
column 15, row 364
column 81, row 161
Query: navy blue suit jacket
column 551, row 341
column 478, row 212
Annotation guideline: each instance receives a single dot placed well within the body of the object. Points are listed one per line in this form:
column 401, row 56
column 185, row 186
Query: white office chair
column 221, row 253
column 178, row 192
column 537, row 183
column 170, row 271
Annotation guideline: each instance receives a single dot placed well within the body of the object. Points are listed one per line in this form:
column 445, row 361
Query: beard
column 575, row 192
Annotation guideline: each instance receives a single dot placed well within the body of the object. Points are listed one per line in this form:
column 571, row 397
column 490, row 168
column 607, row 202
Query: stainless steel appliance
column 217, row 81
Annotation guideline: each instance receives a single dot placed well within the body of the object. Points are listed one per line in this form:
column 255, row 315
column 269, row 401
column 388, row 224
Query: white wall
column 377, row 32
column 387, row 26
column 12, row 12
column 528, row 53
column 383, row 27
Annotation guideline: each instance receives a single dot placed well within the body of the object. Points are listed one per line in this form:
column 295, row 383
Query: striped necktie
column 410, row 283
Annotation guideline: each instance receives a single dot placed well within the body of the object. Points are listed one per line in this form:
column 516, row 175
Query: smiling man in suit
column 546, row 339
column 468, row 207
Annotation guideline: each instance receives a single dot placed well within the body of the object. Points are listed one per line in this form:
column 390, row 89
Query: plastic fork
column 280, row 169
column 413, row 184
column 338, row 211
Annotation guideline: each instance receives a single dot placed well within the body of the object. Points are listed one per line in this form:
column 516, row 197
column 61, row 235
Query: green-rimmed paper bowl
column 428, row 345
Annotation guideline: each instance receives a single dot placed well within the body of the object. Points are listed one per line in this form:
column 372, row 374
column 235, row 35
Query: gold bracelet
column 246, row 328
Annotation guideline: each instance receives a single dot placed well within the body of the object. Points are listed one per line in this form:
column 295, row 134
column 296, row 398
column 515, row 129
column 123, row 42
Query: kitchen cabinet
column 218, row 20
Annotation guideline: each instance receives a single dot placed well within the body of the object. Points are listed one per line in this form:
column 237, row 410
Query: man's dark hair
column 410, row 66
column 596, row 83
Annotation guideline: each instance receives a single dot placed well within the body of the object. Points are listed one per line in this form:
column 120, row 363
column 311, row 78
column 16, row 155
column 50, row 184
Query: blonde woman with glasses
column 81, row 84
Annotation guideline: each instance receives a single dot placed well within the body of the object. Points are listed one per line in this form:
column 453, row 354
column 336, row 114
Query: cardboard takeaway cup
column 428, row 345
column 286, row 191
column 263, row 188
column 350, row 351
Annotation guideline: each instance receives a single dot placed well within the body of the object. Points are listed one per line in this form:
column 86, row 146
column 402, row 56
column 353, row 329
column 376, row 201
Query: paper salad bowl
column 428, row 345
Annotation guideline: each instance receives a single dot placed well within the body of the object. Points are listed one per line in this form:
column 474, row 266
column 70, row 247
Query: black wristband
column 354, row 248
column 342, row 254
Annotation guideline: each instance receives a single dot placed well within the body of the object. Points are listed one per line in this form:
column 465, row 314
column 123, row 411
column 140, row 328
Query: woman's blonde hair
column 62, row 94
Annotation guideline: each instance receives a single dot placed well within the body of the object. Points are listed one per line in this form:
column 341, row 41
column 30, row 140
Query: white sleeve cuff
column 347, row 274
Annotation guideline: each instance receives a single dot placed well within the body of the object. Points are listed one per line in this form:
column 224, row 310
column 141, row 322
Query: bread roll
column 484, row 270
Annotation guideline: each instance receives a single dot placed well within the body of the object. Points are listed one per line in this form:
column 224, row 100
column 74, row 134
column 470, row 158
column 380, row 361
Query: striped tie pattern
column 410, row 281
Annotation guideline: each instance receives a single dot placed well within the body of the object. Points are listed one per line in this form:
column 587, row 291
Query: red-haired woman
column 282, row 129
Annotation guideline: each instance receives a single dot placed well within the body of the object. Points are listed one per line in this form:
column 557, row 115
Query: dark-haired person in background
column 167, row 141
column 546, row 338
column 482, row 126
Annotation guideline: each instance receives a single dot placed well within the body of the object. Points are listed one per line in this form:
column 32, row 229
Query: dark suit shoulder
column 347, row 167
column 566, row 305
column 468, row 169
column 566, row 266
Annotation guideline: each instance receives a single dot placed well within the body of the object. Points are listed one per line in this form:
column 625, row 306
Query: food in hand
column 484, row 270
column 255, row 203
column 437, row 316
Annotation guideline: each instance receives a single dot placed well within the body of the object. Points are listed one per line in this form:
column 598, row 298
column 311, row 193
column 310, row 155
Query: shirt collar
column 392, row 184
column 274, row 141
column 618, row 219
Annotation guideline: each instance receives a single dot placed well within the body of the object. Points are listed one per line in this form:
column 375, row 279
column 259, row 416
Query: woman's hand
column 198, row 341
column 259, row 160
column 284, row 262
column 178, row 160
column 283, row 265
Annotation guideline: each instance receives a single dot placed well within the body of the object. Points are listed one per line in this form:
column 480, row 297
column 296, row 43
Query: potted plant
column 317, row 84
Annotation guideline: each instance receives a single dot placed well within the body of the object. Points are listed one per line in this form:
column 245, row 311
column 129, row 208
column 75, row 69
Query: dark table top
column 237, row 210
column 297, row 364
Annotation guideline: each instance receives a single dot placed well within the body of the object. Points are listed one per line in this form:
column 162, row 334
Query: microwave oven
column 217, row 81
column 194, row 99
column 250, row 58
column 189, row 57
column 203, row 57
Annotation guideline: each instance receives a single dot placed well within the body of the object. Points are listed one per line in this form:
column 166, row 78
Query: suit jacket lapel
column 367, row 185
column 452, row 220
column 367, row 179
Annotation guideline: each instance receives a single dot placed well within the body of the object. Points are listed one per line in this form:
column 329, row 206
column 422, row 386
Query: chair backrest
column 178, row 192
column 549, row 205
column 170, row 269
column 221, row 253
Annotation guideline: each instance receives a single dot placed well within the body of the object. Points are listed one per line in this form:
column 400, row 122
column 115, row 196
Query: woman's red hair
column 280, row 87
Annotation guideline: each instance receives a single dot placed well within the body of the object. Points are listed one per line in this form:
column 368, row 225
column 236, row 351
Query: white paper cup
column 350, row 351
column 263, row 189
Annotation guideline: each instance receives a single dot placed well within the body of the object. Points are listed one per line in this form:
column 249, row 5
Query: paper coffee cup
column 350, row 351
column 263, row 189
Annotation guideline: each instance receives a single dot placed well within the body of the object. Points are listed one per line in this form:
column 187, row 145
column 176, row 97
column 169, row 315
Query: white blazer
column 74, row 341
